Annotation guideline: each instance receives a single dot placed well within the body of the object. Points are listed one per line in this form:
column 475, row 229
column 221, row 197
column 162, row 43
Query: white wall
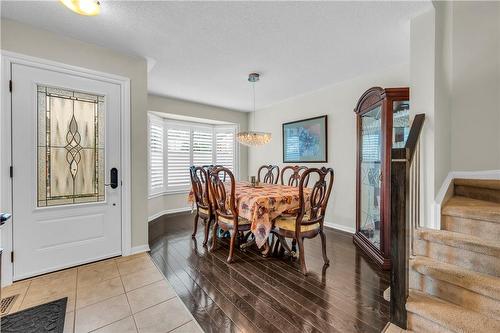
column 338, row 102
column 161, row 204
column 455, row 81
column 475, row 132
column 422, row 90
column 27, row 40
column 443, row 62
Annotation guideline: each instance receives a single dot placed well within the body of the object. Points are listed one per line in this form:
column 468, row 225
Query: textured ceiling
column 203, row 51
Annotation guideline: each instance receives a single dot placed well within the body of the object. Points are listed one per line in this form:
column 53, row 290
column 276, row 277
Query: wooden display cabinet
column 383, row 123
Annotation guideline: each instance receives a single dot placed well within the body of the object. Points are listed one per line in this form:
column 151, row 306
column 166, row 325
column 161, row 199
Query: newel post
column 399, row 235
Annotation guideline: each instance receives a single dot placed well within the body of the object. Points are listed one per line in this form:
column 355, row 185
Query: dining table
column 262, row 203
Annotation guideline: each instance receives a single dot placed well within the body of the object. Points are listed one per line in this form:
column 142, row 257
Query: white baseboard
column 169, row 211
column 441, row 196
column 340, row 227
column 139, row 249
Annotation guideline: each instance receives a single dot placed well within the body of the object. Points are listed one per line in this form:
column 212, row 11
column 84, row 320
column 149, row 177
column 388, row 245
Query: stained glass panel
column 70, row 147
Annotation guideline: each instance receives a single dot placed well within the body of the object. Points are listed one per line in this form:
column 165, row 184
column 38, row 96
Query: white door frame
column 7, row 59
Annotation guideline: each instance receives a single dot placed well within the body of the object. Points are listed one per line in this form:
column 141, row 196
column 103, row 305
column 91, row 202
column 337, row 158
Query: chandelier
column 253, row 138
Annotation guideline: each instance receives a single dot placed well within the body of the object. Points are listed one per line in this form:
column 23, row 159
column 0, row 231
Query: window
column 176, row 145
column 156, row 142
column 224, row 152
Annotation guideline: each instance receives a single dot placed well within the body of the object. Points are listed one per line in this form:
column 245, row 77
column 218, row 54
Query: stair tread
column 492, row 184
column 472, row 209
column 449, row 315
column 459, row 240
column 480, row 283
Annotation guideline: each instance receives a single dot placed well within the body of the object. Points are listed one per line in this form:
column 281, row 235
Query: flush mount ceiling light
column 253, row 138
column 83, row 7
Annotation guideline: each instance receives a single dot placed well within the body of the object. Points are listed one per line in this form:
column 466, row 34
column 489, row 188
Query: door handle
column 4, row 217
column 113, row 178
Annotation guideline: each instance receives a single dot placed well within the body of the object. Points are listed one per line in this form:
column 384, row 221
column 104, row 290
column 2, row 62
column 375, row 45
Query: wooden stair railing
column 405, row 209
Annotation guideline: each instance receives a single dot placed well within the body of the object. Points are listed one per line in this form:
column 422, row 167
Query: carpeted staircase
column 455, row 276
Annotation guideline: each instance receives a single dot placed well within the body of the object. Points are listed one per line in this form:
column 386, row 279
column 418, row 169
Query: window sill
column 160, row 194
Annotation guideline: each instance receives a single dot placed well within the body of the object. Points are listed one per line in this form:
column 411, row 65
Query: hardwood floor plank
column 199, row 311
column 342, row 289
column 217, row 292
column 352, row 287
column 367, row 312
column 257, row 294
column 218, row 315
column 334, row 317
column 286, row 320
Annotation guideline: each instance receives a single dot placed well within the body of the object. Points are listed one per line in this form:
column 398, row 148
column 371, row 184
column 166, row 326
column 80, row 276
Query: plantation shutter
column 225, row 147
column 178, row 157
column 156, row 167
column 175, row 145
column 202, row 146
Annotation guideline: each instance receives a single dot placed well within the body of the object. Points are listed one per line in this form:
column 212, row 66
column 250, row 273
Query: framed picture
column 305, row 141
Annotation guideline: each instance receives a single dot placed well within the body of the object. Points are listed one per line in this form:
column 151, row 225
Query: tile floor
column 122, row 295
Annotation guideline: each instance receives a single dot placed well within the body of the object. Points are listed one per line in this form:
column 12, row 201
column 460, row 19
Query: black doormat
column 48, row 317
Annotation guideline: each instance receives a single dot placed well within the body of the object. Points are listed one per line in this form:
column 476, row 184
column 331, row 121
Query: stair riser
column 478, row 193
column 478, row 228
column 455, row 256
column 419, row 324
column 455, row 294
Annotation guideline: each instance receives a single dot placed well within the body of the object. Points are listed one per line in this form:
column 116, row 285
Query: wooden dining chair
column 226, row 211
column 204, row 210
column 307, row 224
column 294, row 178
column 269, row 176
column 210, row 166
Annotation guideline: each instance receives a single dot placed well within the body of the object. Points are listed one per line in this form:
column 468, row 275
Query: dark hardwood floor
column 256, row 294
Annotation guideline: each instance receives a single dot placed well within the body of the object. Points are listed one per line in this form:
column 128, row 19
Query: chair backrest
column 199, row 183
column 223, row 206
column 211, row 166
column 319, row 195
column 294, row 178
column 269, row 176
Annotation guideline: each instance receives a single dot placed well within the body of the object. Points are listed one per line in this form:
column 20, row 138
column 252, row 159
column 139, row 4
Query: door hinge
column 12, row 256
column 10, row 85
column 11, row 171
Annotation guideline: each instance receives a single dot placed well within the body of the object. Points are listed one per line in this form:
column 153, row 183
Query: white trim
column 168, row 212
column 77, row 263
column 8, row 58
column 126, row 165
column 441, row 196
column 340, row 227
column 160, row 194
column 138, row 249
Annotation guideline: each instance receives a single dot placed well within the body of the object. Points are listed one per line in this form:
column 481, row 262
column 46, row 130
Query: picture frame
column 306, row 140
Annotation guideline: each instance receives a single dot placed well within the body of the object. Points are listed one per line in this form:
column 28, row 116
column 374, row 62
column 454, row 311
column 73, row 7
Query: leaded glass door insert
column 70, row 147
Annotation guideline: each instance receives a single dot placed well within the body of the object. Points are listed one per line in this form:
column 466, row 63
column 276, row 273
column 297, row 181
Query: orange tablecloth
column 262, row 205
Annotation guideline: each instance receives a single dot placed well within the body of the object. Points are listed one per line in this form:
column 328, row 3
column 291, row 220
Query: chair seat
column 203, row 210
column 241, row 220
column 288, row 223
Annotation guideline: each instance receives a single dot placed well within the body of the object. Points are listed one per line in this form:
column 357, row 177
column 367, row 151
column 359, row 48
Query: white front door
column 65, row 149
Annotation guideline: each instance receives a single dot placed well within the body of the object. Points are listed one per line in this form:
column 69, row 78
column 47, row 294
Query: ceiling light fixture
column 83, row 7
column 253, row 138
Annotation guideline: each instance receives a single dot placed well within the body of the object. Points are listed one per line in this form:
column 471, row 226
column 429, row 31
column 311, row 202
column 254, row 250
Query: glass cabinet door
column 400, row 123
column 370, row 177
